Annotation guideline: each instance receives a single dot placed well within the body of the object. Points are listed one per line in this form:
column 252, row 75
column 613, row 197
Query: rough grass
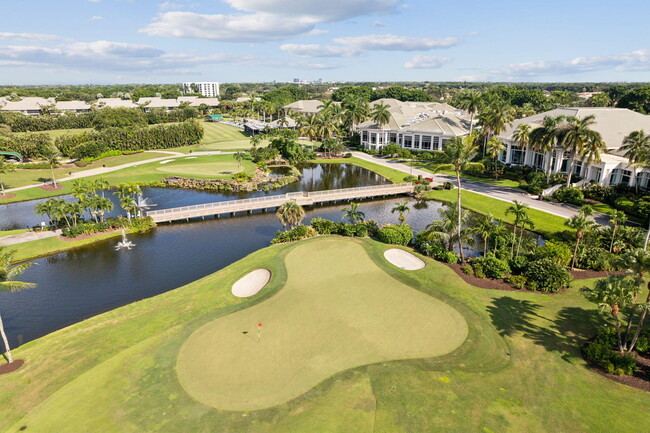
column 546, row 224
column 430, row 166
column 206, row 167
column 518, row 371
column 362, row 312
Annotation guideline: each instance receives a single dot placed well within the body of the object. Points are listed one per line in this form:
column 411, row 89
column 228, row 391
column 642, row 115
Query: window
column 436, row 143
column 426, row 142
column 365, row 136
column 373, row 138
column 577, row 168
column 565, row 164
column 408, row 141
column 517, row 156
column 444, row 141
column 392, row 137
column 416, row 142
column 399, row 139
column 620, row 177
column 597, row 174
column 502, row 155
column 538, row 161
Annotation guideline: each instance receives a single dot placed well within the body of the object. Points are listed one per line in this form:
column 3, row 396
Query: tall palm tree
column 521, row 135
column 356, row 111
column 239, row 157
column 353, row 214
column 616, row 217
column 51, row 155
column 581, row 224
column 575, row 136
column 290, row 213
column 471, row 102
column 494, row 148
column 591, row 153
column 458, row 154
column 380, row 114
column 613, row 293
column 543, row 139
column 496, row 117
column 483, row 227
column 520, row 211
column 637, row 147
column 8, row 273
column 451, row 228
column 309, row 127
column 637, row 264
column 127, row 193
column 402, row 208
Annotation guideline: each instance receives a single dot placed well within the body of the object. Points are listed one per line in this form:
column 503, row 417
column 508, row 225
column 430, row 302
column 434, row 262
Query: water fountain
column 124, row 243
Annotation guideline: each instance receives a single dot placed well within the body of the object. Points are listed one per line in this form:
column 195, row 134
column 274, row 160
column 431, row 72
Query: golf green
column 338, row 310
column 218, row 166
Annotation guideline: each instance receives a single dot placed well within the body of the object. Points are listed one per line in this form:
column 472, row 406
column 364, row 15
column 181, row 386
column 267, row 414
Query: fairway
column 338, row 310
column 213, row 167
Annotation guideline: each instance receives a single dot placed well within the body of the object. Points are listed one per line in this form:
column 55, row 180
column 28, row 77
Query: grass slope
column 546, row 224
column 319, row 324
column 519, row 369
column 395, row 176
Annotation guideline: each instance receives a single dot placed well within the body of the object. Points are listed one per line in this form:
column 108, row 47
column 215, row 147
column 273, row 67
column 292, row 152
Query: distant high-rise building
column 207, row 89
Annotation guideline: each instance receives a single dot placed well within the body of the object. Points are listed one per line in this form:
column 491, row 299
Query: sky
column 168, row 41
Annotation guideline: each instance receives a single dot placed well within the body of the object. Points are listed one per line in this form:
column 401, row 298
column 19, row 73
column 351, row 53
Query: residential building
column 247, row 98
column 209, row 89
column 30, row 105
column 195, row 101
column 72, row 107
column 115, row 103
column 304, row 107
column 157, row 102
column 613, row 124
column 414, row 126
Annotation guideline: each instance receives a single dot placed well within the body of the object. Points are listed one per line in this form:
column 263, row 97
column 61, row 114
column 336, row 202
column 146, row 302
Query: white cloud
column 427, row 62
column 29, row 36
column 633, row 61
column 378, row 24
column 105, row 55
column 262, row 20
column 96, row 18
column 390, row 42
column 315, row 50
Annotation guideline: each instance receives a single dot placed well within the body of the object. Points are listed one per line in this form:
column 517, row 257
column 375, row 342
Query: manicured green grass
column 519, row 370
column 545, row 223
column 367, row 315
column 215, row 166
column 219, row 136
column 11, row 232
column 395, row 176
column 430, row 166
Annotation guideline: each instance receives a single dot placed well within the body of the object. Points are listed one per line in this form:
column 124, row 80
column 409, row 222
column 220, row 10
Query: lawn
column 546, row 224
column 519, row 370
column 219, row 136
column 430, row 166
column 205, row 166
column 11, row 232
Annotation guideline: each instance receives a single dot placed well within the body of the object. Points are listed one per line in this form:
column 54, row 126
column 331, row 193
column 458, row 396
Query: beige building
column 414, row 126
column 613, row 124
column 304, row 107
column 115, row 103
column 30, row 106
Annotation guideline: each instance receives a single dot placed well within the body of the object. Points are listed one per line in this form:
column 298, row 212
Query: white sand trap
column 190, row 157
column 166, row 161
column 251, row 283
column 403, row 259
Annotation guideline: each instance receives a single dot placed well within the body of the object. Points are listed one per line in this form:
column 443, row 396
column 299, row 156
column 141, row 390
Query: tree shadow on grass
column 564, row 334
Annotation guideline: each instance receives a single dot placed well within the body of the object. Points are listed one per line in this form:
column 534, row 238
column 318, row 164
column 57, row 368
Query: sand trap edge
column 251, row 283
column 403, row 259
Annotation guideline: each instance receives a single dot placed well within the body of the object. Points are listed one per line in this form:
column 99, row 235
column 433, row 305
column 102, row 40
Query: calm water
column 81, row 283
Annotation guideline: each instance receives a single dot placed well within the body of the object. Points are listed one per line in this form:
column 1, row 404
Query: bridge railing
column 343, row 192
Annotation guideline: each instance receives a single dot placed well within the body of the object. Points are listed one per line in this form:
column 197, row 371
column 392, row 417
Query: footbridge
column 274, row 201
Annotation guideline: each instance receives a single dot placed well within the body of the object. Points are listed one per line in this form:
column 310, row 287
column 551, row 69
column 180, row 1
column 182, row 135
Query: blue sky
column 164, row 41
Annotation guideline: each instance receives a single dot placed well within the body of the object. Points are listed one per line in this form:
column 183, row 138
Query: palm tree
column 613, row 293
column 239, row 157
column 451, row 228
column 494, row 148
column 403, row 208
column 98, row 206
column 616, row 217
column 380, row 115
column 353, row 214
column 4, row 168
column 290, row 213
column 544, row 140
column 8, row 273
column 520, row 212
column 458, row 154
column 636, row 262
column 471, row 102
column 356, row 111
column 127, row 193
column 309, row 128
column 637, row 147
column 577, row 136
column 496, row 117
column 484, row 227
column 581, row 224
column 521, row 135
column 51, row 155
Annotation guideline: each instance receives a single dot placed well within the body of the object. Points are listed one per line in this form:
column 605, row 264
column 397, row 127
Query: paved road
column 493, row 191
column 104, row 170
column 27, row 236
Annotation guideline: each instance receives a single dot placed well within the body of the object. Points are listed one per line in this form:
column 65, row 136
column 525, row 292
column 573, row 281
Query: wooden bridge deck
column 273, row 201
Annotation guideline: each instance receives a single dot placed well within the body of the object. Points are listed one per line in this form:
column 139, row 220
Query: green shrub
column 597, row 259
column 448, row 185
column 601, row 351
column 295, row 234
column 518, row 264
column 410, row 178
column 490, row 267
column 347, row 155
column 242, row 176
column 547, row 276
column 91, row 227
column 81, row 163
column 398, row 235
column 347, row 230
column 435, row 249
column 517, row 281
column 468, row 270
column 624, row 204
column 569, row 195
column 361, row 230
column 323, row 226
column 559, row 252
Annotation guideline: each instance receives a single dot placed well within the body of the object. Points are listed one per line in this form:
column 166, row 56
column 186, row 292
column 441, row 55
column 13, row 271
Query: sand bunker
column 166, row 161
column 251, row 283
column 403, row 259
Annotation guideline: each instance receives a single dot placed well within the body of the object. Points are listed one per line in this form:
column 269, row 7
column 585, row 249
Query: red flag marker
column 259, row 332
